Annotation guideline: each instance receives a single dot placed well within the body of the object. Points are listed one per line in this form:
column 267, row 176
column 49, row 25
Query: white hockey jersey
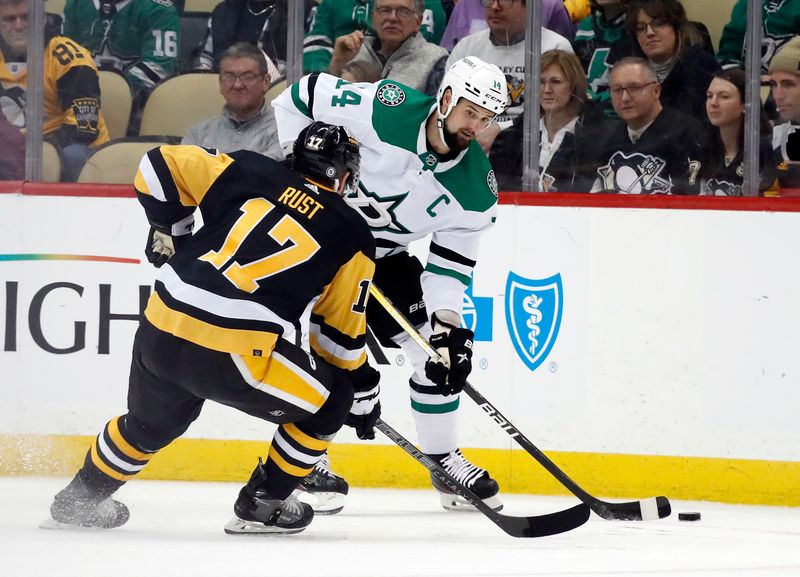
column 406, row 191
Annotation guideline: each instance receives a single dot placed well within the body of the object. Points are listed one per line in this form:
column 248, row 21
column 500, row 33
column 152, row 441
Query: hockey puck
column 688, row 516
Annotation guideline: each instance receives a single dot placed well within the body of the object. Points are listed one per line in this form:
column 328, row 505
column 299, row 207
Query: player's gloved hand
column 366, row 407
column 160, row 247
column 454, row 346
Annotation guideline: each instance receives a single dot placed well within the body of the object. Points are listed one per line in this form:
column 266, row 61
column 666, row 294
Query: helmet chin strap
column 440, row 118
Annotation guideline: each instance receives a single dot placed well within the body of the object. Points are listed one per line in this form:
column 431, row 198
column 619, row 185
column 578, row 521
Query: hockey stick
column 534, row 526
column 642, row 510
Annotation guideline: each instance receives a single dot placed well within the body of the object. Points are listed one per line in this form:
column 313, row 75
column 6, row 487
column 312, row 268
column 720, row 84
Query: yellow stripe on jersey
column 343, row 293
column 287, row 467
column 275, row 374
column 330, row 357
column 123, row 445
column 237, row 341
column 100, row 464
column 193, row 171
column 305, row 440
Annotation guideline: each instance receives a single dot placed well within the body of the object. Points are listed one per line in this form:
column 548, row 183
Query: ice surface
column 176, row 530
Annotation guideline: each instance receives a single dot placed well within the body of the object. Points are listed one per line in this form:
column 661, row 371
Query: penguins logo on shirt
column 716, row 187
column 635, row 174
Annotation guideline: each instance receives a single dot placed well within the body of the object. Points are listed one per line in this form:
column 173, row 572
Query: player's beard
column 455, row 141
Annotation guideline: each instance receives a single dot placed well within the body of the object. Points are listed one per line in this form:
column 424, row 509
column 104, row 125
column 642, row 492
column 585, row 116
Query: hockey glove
column 160, row 247
column 366, row 407
column 454, row 346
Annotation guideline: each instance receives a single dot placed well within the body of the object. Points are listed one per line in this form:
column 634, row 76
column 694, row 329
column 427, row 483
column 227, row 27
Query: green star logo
column 391, row 95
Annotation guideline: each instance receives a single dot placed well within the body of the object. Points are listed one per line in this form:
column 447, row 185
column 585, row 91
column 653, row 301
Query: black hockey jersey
column 275, row 258
column 666, row 159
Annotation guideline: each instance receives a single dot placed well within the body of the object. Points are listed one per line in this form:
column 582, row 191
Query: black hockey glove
column 160, row 246
column 366, row 407
column 454, row 345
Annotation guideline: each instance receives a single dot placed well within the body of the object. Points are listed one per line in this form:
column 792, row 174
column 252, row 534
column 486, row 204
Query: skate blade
column 453, row 502
column 323, row 503
column 238, row 526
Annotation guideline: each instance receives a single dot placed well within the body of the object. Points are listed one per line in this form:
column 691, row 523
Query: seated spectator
column 780, row 21
column 676, row 52
column 72, row 118
column 12, row 143
column 601, row 39
column 335, row 18
column 361, row 71
column 468, row 18
column 397, row 47
column 651, row 149
column 138, row 38
column 247, row 121
column 568, row 122
column 723, row 164
column 784, row 71
column 263, row 23
column 503, row 44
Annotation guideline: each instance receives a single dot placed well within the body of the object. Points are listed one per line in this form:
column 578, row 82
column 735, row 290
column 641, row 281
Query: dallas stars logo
column 391, row 95
column 377, row 211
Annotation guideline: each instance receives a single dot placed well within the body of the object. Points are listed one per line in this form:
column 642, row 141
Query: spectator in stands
column 784, row 70
column 12, row 143
column 569, row 125
column 468, row 18
column 780, row 21
column 602, row 39
column 723, row 164
column 335, row 18
column 651, row 149
column 260, row 22
column 503, row 44
column 676, row 52
column 72, row 118
column 138, row 38
column 396, row 47
column 247, row 121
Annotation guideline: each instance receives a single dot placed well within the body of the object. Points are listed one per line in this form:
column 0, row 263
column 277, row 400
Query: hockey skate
column 473, row 478
column 76, row 506
column 323, row 489
column 258, row 513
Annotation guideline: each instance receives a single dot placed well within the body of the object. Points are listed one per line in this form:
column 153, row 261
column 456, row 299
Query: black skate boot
column 78, row 506
column 323, row 489
column 473, row 478
column 257, row 512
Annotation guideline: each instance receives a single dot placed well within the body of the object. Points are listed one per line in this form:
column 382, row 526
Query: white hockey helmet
column 479, row 82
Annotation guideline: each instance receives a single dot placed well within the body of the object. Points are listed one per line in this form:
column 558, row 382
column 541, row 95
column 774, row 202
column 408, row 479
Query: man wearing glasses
column 651, row 149
column 247, row 121
column 503, row 44
column 396, row 48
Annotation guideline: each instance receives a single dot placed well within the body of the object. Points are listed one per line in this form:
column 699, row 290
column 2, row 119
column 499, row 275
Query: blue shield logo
column 476, row 315
column 533, row 315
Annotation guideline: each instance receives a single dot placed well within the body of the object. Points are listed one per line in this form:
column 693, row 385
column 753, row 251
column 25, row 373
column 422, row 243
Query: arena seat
column 193, row 30
column 51, row 163
column 179, row 102
column 115, row 102
column 116, row 161
column 199, row 5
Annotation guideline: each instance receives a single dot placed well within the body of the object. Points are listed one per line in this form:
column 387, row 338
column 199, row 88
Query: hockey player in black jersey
column 229, row 313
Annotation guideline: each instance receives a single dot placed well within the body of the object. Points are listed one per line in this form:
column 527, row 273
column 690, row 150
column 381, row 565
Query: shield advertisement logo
column 533, row 315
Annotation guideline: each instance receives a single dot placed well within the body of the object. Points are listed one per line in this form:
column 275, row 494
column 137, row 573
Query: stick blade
column 644, row 510
column 545, row 525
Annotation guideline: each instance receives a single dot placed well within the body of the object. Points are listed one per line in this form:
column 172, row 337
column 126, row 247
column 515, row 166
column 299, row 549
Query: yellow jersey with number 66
column 276, row 257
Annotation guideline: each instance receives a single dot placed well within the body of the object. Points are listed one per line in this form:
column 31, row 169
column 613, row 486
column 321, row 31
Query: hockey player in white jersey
column 421, row 173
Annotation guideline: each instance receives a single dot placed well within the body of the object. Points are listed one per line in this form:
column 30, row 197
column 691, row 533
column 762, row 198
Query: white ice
column 175, row 530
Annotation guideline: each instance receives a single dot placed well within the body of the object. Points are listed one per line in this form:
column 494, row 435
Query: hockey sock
column 291, row 457
column 113, row 459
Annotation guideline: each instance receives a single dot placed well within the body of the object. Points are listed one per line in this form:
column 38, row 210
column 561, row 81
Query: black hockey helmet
column 326, row 152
